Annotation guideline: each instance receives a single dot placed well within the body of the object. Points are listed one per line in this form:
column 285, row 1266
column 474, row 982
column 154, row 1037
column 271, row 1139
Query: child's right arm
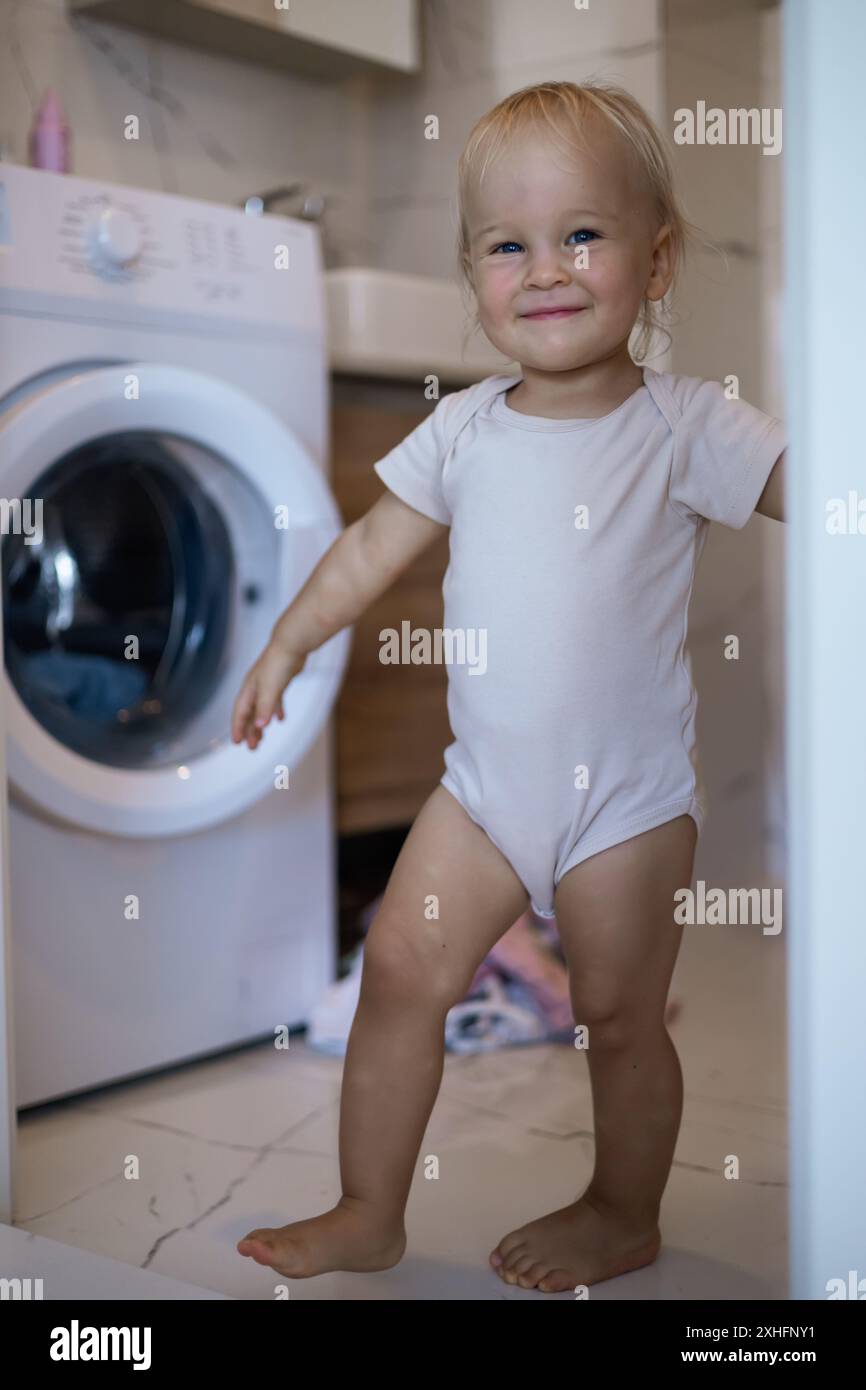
column 361, row 564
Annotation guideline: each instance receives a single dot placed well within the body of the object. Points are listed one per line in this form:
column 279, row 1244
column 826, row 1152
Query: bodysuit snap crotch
column 541, row 858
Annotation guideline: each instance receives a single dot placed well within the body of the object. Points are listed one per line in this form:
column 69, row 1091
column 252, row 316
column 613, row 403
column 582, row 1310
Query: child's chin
column 561, row 361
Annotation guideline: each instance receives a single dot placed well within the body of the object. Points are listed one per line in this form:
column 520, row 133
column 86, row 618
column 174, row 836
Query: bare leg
column 415, row 968
column 615, row 915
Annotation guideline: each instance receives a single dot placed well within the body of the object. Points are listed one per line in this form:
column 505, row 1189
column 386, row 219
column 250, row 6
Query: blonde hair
column 564, row 108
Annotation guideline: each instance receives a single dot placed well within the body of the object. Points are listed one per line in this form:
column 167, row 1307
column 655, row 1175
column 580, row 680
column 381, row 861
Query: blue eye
column 584, row 233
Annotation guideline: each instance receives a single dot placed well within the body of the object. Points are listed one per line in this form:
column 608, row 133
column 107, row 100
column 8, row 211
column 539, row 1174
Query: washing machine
column 163, row 437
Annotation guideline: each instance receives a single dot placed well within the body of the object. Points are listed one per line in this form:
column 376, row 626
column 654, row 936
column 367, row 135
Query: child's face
column 526, row 224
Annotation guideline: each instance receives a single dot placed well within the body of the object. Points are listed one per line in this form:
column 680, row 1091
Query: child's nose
column 549, row 267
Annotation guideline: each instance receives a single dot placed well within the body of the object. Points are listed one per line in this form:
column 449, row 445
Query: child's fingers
column 259, row 701
column 268, row 703
column 251, row 713
column 242, row 711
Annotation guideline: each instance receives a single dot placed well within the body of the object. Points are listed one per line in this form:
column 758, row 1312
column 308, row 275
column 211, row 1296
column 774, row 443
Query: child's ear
column 662, row 268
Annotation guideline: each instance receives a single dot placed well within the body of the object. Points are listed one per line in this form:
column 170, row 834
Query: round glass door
column 117, row 607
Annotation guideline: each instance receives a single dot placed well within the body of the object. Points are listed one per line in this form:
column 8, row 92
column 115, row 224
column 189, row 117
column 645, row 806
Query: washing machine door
column 158, row 522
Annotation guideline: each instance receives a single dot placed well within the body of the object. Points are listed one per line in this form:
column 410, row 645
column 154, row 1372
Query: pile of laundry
column 519, row 994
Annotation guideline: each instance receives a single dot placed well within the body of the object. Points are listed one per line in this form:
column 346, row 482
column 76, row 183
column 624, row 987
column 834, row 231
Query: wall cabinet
column 316, row 38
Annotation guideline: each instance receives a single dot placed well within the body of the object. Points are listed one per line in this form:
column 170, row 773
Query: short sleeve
column 724, row 452
column 413, row 468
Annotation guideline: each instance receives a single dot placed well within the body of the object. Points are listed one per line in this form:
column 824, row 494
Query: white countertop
column 404, row 327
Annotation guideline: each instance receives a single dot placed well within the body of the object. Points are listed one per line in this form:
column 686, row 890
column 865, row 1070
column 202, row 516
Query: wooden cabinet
column 391, row 721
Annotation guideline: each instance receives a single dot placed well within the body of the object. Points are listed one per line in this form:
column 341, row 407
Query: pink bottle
column 49, row 136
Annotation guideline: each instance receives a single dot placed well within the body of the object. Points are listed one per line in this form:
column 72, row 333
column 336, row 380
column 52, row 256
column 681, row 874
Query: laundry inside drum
column 117, row 610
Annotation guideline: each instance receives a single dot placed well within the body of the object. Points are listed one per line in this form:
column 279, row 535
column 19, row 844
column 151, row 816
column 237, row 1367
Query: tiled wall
column 475, row 54
column 210, row 127
column 715, row 53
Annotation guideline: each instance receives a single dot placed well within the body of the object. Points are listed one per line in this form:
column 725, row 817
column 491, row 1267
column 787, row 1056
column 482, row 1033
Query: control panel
column 60, row 236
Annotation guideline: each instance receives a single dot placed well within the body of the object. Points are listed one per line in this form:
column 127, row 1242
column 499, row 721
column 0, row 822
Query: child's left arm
column 772, row 500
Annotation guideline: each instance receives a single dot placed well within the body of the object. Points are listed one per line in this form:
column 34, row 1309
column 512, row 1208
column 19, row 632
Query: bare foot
column 343, row 1238
column 575, row 1245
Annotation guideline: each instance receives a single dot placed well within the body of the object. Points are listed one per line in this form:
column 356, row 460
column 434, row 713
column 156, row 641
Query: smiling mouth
column 553, row 313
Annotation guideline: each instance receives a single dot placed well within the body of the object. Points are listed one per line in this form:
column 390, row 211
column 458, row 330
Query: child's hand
column 260, row 696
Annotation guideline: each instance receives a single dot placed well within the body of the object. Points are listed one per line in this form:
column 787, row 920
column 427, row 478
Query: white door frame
column 824, row 47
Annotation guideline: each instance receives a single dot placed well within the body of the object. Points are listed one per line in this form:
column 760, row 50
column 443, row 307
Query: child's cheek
column 498, row 287
column 608, row 278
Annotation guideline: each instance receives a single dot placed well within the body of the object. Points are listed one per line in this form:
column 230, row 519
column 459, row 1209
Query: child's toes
column 509, row 1249
column 258, row 1245
column 505, row 1253
column 509, row 1273
column 556, row 1281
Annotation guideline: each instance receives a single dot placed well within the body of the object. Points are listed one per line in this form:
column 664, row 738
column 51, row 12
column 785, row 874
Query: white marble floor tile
column 66, row 1273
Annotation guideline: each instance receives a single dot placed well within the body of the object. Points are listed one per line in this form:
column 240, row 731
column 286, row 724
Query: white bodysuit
column 573, row 551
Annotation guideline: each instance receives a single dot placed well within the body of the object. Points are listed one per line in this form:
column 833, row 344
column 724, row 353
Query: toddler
column 578, row 495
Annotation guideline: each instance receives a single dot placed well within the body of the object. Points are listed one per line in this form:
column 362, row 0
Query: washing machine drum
column 116, row 623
